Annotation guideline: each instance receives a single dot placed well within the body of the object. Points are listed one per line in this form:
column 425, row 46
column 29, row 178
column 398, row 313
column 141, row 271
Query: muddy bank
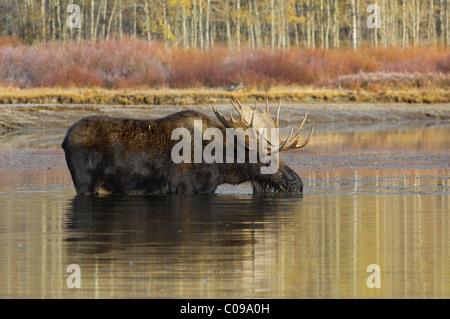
column 336, row 114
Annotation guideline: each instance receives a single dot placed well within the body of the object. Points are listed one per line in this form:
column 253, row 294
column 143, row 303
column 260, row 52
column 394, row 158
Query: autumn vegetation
column 191, row 51
column 127, row 63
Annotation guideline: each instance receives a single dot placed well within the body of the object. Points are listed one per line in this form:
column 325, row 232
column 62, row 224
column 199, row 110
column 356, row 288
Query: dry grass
column 166, row 96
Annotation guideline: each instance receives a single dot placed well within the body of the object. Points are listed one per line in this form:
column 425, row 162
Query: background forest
column 251, row 23
column 214, row 44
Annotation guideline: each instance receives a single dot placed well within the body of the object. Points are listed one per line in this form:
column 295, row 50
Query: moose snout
column 296, row 186
column 293, row 182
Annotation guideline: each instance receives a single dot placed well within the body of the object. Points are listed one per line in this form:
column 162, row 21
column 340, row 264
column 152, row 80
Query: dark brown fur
column 123, row 155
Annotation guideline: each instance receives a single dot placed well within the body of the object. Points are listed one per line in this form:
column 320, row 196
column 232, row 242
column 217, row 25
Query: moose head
column 263, row 131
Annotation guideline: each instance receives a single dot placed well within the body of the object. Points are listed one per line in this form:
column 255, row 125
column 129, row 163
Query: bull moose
column 136, row 156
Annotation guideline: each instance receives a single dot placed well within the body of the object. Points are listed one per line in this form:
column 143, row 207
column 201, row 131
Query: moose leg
column 86, row 173
column 85, row 183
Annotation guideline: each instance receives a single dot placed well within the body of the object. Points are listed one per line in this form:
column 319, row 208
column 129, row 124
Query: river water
column 372, row 196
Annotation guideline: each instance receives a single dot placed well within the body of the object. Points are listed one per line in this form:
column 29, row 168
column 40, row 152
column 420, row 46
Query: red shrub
column 9, row 41
column 134, row 62
column 193, row 68
column 265, row 67
column 443, row 64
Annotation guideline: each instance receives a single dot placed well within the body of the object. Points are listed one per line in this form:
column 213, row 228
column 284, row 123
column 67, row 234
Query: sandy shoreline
column 63, row 115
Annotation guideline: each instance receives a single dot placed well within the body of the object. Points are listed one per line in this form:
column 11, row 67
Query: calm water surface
column 371, row 197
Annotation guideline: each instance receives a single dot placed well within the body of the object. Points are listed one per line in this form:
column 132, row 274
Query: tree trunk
column 384, row 30
column 104, row 18
column 354, row 25
column 328, row 27
column 98, row 17
column 227, row 22
column 415, row 14
column 320, row 19
column 238, row 24
column 447, row 24
column 308, row 26
column 257, row 25
column 120, row 19
column 194, row 25
column 166, row 26
column 336, row 42
column 111, row 16
column 442, row 20
column 417, row 28
column 200, row 25
column 207, row 31
column 134, row 18
column 44, row 22
column 404, row 29
column 92, row 20
column 58, row 29
column 183, row 25
column 272, row 24
column 147, row 20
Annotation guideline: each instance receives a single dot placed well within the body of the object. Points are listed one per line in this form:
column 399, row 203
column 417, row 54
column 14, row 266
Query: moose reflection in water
column 122, row 156
column 107, row 223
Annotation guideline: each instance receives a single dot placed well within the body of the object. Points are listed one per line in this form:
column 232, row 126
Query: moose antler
column 253, row 118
